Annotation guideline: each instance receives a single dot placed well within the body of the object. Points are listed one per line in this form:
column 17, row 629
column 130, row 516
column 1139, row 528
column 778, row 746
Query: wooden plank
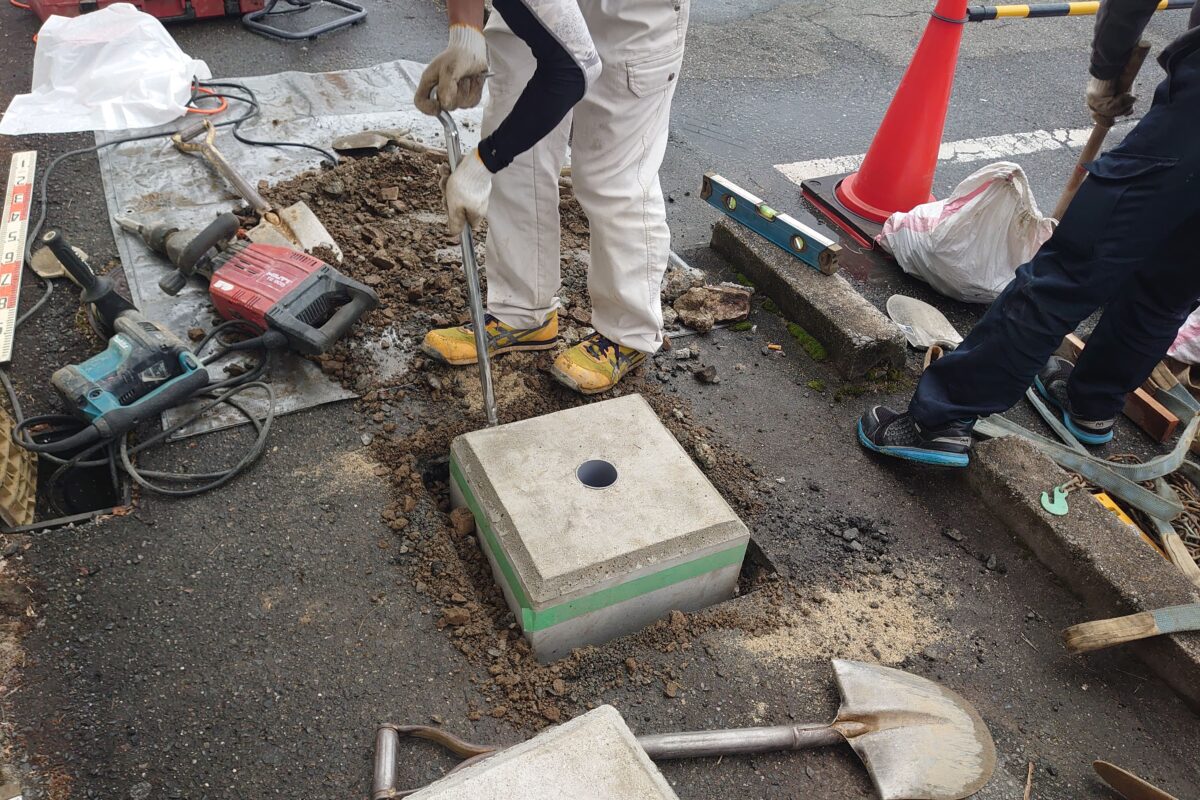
column 1150, row 415
column 1146, row 412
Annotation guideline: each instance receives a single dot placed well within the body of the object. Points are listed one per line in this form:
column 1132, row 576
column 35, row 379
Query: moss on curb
column 816, row 351
column 881, row 380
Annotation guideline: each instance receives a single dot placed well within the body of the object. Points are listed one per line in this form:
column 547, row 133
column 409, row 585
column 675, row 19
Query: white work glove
column 466, row 190
column 457, row 74
column 1106, row 103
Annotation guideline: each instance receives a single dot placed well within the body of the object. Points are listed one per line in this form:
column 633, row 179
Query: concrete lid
column 563, row 537
column 594, row 756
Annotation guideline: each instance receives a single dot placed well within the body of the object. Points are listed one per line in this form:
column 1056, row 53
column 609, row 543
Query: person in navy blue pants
column 1129, row 242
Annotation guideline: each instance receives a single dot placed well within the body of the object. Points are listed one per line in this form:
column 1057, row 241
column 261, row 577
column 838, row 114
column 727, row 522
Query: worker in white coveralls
column 599, row 74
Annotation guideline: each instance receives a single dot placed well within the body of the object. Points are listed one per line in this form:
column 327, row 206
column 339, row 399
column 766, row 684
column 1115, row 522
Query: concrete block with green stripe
column 592, row 757
column 583, row 557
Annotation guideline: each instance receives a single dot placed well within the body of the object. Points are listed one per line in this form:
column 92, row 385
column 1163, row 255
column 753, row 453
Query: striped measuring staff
column 13, row 225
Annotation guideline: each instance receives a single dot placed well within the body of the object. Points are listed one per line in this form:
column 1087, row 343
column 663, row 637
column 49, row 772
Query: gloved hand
column 1106, row 103
column 458, row 73
column 466, row 191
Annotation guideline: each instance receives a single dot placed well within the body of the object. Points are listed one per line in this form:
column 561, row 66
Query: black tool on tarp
column 269, row 287
column 145, row 370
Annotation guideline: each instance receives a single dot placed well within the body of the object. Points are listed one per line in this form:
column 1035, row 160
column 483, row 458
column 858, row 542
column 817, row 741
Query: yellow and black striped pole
column 1041, row 10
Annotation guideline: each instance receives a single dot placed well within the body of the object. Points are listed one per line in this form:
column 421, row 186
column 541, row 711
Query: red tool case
column 166, row 10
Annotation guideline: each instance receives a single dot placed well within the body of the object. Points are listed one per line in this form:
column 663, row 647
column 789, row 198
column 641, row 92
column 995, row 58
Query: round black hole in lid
column 596, row 474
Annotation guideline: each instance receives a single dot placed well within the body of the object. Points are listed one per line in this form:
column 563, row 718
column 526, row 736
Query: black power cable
column 118, row 454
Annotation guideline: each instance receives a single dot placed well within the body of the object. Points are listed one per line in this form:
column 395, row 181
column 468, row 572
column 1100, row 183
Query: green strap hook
column 1057, row 506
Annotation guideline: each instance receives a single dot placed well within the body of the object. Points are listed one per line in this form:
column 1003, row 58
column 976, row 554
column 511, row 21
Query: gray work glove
column 457, row 73
column 466, row 190
column 1107, row 103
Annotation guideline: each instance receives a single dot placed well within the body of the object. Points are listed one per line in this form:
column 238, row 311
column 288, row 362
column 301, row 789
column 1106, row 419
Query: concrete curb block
column 1097, row 556
column 857, row 335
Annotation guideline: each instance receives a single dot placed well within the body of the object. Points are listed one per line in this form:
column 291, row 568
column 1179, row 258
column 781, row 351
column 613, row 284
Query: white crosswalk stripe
column 965, row 151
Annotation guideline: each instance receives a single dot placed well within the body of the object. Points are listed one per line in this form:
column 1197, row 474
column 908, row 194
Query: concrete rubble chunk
column 678, row 279
column 702, row 307
column 594, row 756
column 858, row 336
column 596, row 522
column 1101, row 559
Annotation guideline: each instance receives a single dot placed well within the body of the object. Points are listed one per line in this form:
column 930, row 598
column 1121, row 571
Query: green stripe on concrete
column 637, row 587
column 532, row 620
column 493, row 545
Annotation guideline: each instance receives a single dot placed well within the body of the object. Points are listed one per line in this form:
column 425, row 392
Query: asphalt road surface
column 244, row 644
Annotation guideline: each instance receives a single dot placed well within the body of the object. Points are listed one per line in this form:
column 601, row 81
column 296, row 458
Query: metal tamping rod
column 471, row 267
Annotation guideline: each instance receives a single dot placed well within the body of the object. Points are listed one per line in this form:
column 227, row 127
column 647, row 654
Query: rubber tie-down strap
column 1118, row 479
column 962, row 21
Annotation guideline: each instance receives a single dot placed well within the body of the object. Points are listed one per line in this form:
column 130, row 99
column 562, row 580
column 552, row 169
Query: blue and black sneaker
column 1051, row 384
column 899, row 435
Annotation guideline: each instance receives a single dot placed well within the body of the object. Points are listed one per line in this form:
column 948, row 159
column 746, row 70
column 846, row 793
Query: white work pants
column 618, row 141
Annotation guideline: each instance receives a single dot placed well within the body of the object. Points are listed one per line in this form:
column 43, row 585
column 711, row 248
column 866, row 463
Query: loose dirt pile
column 385, row 212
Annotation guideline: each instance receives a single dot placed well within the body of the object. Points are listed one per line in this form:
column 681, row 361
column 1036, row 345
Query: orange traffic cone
column 897, row 173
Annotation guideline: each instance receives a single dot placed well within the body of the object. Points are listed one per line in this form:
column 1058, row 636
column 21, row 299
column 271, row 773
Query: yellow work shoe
column 595, row 364
column 456, row 346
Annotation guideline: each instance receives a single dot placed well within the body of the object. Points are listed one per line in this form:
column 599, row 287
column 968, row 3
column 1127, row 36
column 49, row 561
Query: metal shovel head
column 298, row 228
column 369, row 140
column 922, row 324
column 918, row 740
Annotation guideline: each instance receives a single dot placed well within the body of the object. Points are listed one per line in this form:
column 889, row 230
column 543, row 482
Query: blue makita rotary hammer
column 144, row 371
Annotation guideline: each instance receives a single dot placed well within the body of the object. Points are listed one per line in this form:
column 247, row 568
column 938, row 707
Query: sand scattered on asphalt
column 859, row 623
column 353, row 468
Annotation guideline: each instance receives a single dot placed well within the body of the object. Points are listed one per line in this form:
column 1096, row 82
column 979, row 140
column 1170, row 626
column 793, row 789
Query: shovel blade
column 918, row 740
column 922, row 324
column 299, row 229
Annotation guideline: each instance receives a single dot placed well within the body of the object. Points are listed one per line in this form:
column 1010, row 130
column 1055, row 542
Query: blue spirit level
column 815, row 250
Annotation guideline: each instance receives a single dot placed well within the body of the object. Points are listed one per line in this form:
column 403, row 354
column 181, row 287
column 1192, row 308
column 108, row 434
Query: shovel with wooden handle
column 296, row 226
column 917, row 740
column 1096, row 140
column 1101, row 633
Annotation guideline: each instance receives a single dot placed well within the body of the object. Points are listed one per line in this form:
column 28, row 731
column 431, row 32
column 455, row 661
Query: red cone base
column 822, row 194
column 845, row 192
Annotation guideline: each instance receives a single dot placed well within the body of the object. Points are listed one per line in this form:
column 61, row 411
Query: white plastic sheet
column 112, row 69
column 969, row 245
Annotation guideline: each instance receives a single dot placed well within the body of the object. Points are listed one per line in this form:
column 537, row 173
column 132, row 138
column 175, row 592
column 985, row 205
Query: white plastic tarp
column 112, row 69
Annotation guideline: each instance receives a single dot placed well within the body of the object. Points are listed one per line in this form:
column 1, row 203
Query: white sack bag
column 112, row 69
column 969, row 245
column 1186, row 347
